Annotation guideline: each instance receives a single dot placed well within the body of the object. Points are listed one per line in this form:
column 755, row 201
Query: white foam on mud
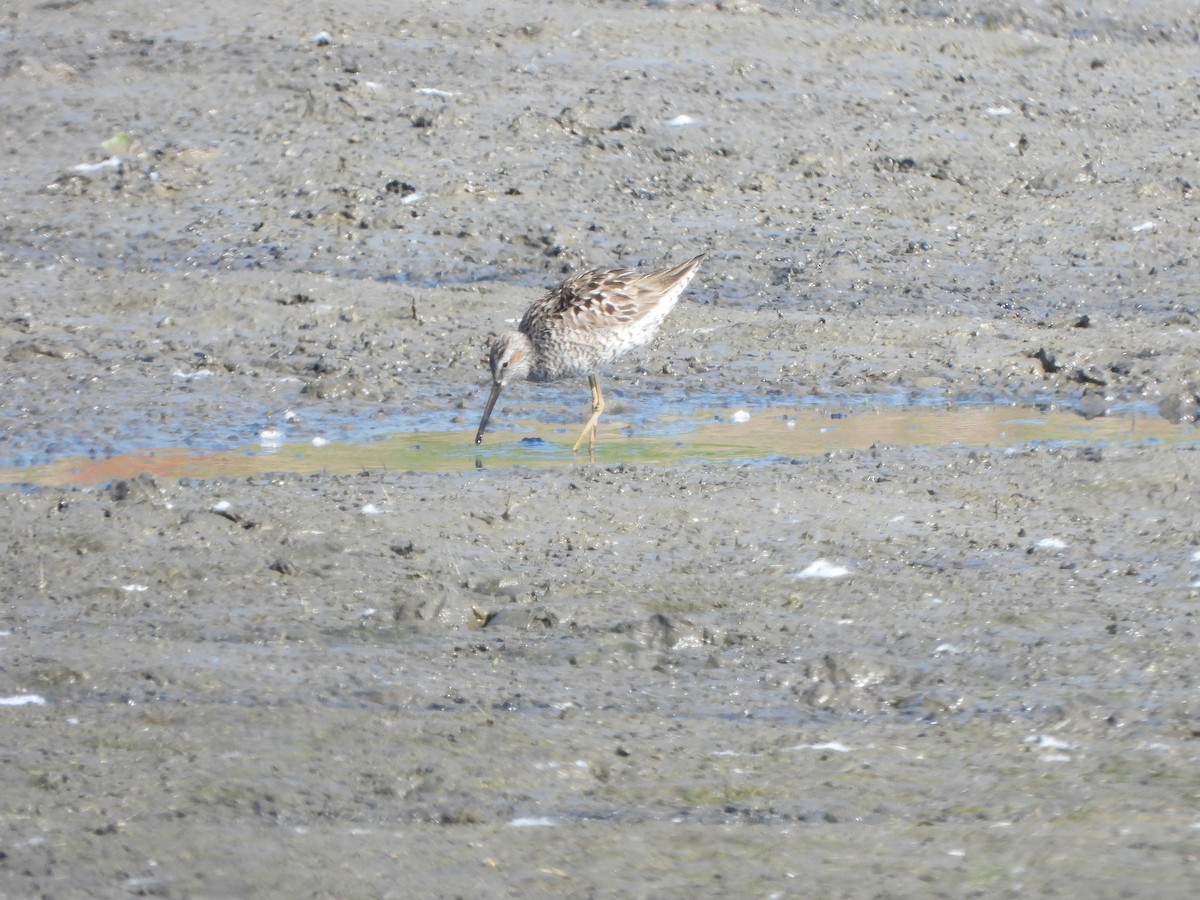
column 23, row 700
column 834, row 746
column 1047, row 743
column 822, row 568
column 533, row 822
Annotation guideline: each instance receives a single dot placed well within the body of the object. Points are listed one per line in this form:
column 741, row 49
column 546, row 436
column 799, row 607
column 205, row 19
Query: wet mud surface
column 893, row 671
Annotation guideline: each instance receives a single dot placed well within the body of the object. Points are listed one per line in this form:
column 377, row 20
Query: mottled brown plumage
column 582, row 325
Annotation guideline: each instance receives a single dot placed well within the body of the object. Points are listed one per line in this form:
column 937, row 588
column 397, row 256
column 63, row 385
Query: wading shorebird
column 583, row 325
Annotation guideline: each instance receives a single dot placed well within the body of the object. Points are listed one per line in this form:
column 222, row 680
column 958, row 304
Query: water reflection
column 712, row 436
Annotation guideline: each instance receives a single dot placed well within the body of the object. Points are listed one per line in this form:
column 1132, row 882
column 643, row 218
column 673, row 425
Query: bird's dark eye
column 504, row 365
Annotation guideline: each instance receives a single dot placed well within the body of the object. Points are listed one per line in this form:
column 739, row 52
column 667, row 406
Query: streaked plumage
column 584, row 324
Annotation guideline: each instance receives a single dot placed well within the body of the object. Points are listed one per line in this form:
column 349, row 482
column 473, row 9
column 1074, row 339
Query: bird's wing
column 594, row 301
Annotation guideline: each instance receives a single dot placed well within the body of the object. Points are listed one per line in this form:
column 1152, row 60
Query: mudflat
column 899, row 670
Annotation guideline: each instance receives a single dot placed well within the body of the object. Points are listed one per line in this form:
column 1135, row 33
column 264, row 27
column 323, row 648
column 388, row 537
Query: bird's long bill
column 487, row 411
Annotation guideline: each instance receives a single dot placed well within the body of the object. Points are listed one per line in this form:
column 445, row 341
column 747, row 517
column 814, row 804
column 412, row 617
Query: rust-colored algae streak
column 807, row 432
column 713, row 436
column 432, row 452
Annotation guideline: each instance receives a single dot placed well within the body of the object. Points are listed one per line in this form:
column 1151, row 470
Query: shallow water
column 713, row 435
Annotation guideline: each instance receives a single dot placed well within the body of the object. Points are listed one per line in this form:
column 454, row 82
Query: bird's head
column 510, row 358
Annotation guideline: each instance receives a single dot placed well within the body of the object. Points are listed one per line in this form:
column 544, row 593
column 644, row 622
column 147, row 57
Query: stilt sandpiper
column 582, row 325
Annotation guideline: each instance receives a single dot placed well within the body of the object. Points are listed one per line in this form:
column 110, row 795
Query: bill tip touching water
column 582, row 325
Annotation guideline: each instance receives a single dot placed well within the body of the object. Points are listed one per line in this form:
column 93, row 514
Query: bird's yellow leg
column 589, row 430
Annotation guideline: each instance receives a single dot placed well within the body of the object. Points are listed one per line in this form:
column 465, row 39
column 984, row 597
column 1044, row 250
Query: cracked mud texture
column 598, row 680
